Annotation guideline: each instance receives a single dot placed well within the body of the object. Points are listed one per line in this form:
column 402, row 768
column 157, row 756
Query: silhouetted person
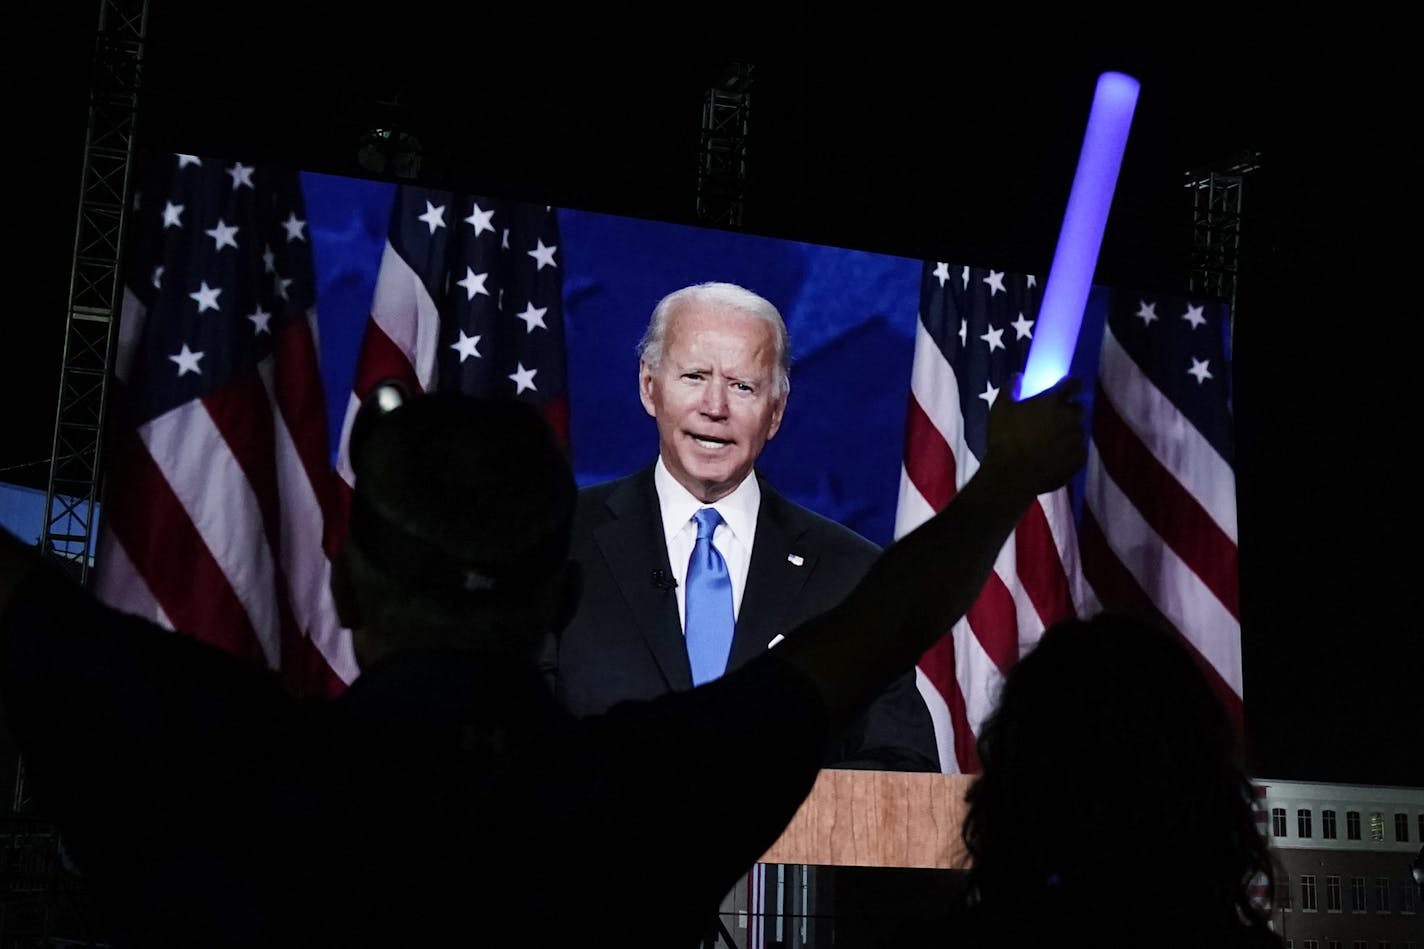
column 445, row 797
column 1112, row 809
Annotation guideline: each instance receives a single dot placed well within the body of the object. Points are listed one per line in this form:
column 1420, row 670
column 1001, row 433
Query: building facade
column 1346, row 857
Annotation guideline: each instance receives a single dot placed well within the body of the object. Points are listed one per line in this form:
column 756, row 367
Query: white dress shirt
column 733, row 537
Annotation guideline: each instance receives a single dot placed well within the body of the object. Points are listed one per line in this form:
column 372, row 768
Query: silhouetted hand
column 1036, row 445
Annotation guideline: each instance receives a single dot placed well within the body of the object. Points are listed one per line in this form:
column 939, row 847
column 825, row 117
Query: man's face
column 714, row 396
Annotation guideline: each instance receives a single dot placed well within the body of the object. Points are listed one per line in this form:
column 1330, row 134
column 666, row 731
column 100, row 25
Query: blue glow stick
column 1065, row 295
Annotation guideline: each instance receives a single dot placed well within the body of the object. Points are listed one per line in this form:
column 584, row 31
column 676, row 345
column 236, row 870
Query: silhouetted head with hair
column 459, row 529
column 1111, row 783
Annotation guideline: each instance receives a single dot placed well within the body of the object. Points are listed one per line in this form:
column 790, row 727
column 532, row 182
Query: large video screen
column 261, row 302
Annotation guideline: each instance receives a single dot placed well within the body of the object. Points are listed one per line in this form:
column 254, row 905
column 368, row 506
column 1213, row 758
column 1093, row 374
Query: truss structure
column 95, row 286
column 722, row 156
column 1216, row 228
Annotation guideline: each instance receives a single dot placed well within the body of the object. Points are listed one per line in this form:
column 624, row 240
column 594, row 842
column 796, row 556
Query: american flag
column 219, row 481
column 1157, row 533
column 469, row 297
column 973, row 333
column 1155, row 528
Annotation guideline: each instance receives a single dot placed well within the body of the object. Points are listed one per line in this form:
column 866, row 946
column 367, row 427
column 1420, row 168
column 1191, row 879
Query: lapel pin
column 795, row 560
column 774, row 640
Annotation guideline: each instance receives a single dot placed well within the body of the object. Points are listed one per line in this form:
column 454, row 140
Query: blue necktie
column 708, row 603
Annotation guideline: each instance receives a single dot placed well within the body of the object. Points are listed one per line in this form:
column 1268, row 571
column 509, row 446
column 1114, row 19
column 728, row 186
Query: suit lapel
column 773, row 579
column 633, row 546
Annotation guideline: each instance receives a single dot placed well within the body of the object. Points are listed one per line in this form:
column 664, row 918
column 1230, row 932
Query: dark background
column 917, row 133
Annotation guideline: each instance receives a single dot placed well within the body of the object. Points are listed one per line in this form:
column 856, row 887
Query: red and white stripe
column 1035, row 580
column 399, row 343
column 1158, row 531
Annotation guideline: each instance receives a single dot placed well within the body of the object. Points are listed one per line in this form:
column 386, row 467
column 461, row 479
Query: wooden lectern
column 878, row 819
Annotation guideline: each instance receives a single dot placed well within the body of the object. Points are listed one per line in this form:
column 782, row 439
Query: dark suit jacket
column 626, row 640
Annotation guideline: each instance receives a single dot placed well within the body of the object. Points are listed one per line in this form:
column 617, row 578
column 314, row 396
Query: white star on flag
column 241, row 175
column 941, row 273
column 206, row 296
column 1146, row 312
column 995, row 338
column 294, row 226
column 187, row 361
column 544, row 255
column 172, row 215
column 260, row 318
column 223, row 235
column 474, row 283
column 995, row 280
column 1200, row 370
column 1023, row 328
column 434, row 216
column 533, row 316
column 479, row 219
column 523, row 379
column 466, row 346
column 1194, row 316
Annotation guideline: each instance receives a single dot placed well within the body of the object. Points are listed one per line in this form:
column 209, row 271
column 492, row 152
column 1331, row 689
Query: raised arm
column 924, row 582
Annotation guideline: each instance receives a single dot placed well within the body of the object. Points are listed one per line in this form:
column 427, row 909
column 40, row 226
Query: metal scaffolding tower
column 95, row 286
column 722, row 156
column 1216, row 228
column 95, row 294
